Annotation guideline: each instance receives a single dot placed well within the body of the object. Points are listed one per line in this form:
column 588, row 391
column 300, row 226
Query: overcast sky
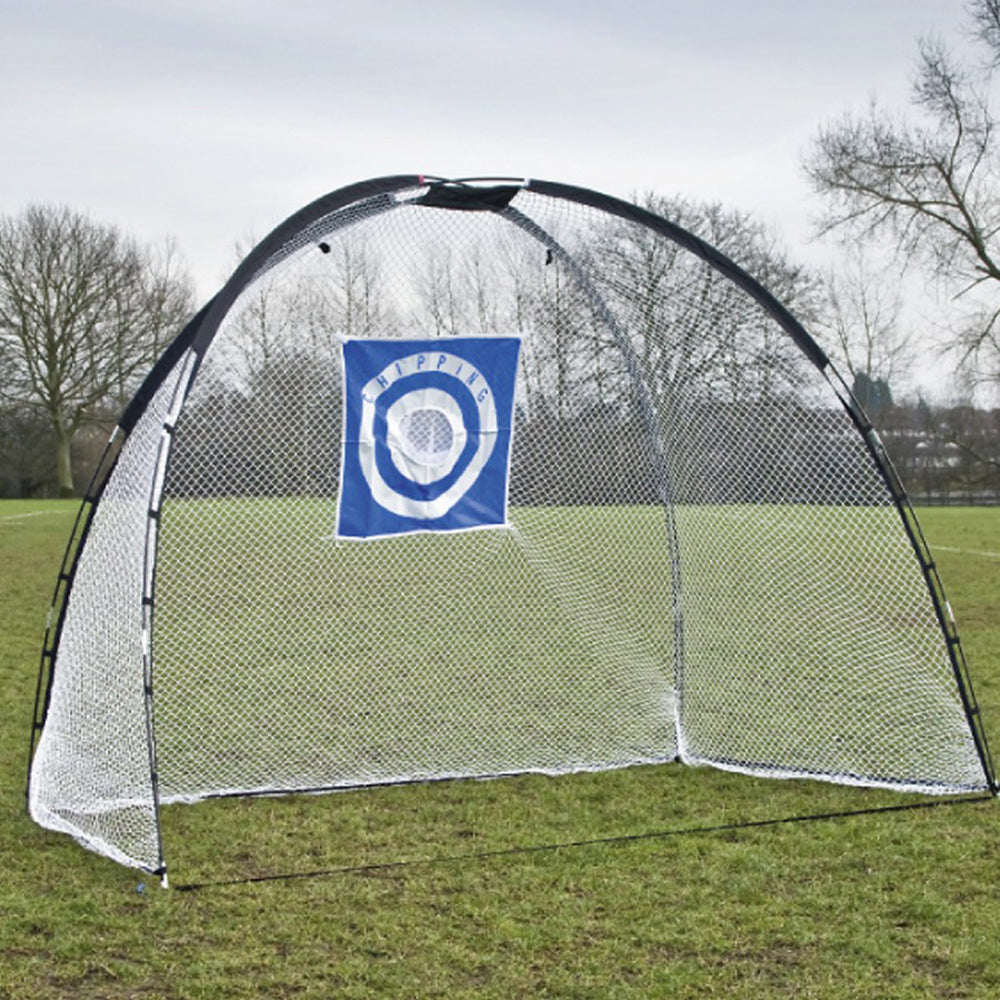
column 211, row 120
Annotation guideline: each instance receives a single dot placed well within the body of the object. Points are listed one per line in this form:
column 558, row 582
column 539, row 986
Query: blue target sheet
column 426, row 434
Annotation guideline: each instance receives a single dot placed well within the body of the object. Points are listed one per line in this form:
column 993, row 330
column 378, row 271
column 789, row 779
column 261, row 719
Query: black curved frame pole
column 366, row 198
column 928, row 568
column 82, row 524
column 819, row 358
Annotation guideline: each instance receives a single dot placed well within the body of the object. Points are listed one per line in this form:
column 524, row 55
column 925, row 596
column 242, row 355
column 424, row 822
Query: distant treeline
column 736, row 453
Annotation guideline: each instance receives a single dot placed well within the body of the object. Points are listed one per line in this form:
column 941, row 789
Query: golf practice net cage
column 482, row 477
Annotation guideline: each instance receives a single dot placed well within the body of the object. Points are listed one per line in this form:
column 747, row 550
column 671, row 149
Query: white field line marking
column 966, row 552
column 31, row 513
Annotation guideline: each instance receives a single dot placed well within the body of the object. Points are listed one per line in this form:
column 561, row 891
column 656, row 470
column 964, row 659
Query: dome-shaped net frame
column 702, row 553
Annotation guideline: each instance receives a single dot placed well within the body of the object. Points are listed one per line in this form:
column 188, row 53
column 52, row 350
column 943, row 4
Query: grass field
column 898, row 903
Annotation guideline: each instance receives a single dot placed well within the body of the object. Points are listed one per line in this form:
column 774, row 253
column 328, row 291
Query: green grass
column 891, row 904
column 392, row 656
column 386, row 659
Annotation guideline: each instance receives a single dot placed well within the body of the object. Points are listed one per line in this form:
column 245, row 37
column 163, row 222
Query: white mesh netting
column 91, row 773
column 702, row 558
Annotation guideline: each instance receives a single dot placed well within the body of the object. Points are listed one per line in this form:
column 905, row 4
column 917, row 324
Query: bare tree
column 694, row 329
column 83, row 312
column 927, row 183
column 863, row 324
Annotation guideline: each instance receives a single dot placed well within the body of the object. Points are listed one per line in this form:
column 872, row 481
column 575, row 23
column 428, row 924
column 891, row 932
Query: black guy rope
column 504, row 852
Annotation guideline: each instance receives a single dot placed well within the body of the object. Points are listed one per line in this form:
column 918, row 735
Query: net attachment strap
column 465, row 198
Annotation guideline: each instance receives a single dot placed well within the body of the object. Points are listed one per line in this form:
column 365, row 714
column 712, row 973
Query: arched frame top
column 470, row 194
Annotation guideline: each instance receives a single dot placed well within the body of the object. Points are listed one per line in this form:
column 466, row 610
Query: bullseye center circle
column 427, row 435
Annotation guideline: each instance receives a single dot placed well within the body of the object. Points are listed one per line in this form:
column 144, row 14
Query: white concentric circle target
column 426, row 430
